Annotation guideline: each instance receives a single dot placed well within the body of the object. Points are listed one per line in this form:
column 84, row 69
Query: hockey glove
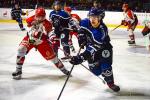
column 23, row 13
column 76, row 60
column 74, row 28
column 81, row 40
column 123, row 22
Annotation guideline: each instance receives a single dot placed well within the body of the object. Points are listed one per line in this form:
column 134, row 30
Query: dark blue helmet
column 57, row 3
column 96, row 12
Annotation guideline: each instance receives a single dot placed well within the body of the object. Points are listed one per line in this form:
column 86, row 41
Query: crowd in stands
column 108, row 5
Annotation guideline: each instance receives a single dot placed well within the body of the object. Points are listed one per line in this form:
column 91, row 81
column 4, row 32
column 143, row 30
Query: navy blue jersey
column 98, row 51
column 60, row 19
column 95, row 37
column 16, row 13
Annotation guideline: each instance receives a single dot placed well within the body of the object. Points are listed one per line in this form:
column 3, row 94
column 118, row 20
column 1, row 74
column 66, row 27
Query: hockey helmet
column 68, row 9
column 40, row 12
column 125, row 5
column 57, row 3
column 96, row 12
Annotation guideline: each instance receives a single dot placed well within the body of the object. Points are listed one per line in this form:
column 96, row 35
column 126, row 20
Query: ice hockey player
column 93, row 33
column 146, row 29
column 61, row 21
column 131, row 21
column 37, row 37
column 76, row 19
column 146, row 32
column 16, row 13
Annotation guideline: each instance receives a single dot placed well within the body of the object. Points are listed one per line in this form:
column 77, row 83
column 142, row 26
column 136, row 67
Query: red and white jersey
column 129, row 16
column 35, row 28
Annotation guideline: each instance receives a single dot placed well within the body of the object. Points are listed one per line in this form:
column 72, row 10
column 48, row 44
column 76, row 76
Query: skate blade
column 68, row 75
column 132, row 44
column 17, row 77
column 65, row 59
column 73, row 51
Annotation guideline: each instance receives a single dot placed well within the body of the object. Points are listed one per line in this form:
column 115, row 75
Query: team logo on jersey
column 105, row 53
column 49, row 55
column 62, row 36
column 56, row 22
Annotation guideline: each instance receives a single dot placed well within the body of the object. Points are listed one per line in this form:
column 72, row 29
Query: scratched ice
column 42, row 81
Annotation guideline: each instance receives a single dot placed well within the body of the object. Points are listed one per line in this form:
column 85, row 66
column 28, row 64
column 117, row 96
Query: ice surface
column 42, row 81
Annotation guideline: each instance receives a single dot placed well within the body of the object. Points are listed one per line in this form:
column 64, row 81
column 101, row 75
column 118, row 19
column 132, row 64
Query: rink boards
column 112, row 19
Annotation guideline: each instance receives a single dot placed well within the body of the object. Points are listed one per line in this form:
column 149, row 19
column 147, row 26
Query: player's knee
column 55, row 60
column 131, row 32
column 106, row 70
column 22, row 50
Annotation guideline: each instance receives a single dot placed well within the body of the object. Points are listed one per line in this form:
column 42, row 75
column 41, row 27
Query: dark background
column 108, row 5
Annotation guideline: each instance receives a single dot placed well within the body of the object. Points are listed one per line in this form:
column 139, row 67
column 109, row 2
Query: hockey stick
column 85, row 67
column 115, row 28
column 68, row 77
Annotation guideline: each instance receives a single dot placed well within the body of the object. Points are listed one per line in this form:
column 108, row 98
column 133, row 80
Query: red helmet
column 40, row 12
column 68, row 9
column 125, row 5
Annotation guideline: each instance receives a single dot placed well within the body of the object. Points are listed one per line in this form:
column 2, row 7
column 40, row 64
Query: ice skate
column 17, row 74
column 22, row 29
column 131, row 43
column 114, row 87
column 65, row 71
